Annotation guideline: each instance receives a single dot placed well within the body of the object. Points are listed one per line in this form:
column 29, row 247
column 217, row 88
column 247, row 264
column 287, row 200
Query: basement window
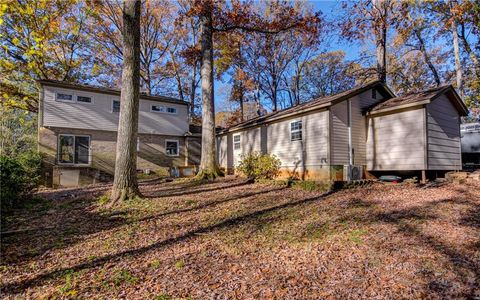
column 171, row 147
column 296, row 131
column 73, row 149
column 236, row 142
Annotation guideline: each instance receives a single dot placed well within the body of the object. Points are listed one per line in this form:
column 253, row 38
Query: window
column 236, row 142
column 374, row 94
column 158, row 108
column 64, row 97
column 171, row 110
column 116, row 106
column 84, row 99
column 296, row 131
column 74, row 149
column 171, row 148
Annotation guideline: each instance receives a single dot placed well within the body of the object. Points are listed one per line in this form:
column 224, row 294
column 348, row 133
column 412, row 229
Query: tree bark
column 193, row 87
column 208, row 165
column 381, row 39
column 458, row 63
column 426, row 57
column 468, row 49
column 125, row 184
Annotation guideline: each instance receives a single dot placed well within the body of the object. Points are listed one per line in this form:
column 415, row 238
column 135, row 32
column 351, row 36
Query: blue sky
column 329, row 9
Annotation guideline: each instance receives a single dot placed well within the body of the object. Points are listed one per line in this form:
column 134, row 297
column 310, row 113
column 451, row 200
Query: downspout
column 349, row 121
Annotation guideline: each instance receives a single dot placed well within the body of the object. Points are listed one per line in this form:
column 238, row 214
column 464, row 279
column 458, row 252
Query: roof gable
column 420, row 98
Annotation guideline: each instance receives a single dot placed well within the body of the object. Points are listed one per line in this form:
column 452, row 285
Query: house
column 353, row 133
column 77, row 133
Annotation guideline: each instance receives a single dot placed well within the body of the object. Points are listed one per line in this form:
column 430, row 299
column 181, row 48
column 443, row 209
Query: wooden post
column 424, row 177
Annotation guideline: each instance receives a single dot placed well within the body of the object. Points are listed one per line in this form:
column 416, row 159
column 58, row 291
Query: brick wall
column 103, row 146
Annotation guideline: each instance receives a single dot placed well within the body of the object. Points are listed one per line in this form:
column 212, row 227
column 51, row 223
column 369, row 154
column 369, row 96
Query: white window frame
column 156, row 111
column 63, row 100
column 296, row 130
column 74, row 136
column 113, row 101
column 138, row 144
column 178, row 148
column 239, row 142
column 83, row 95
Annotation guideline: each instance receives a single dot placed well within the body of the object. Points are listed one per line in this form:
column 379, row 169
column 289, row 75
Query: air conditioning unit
column 352, row 172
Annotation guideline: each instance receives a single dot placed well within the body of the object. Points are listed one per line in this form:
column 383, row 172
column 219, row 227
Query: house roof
column 104, row 90
column 315, row 104
column 423, row 97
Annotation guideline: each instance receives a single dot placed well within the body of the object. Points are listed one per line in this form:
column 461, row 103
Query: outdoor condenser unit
column 351, row 172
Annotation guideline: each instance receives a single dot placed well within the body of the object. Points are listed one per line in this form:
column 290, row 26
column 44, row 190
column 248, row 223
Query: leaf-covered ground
column 233, row 240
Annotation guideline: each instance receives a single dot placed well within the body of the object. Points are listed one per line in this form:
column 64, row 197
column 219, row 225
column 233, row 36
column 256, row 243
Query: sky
column 329, row 9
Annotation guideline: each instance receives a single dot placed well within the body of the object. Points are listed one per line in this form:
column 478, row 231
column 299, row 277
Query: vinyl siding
column 312, row 150
column 98, row 115
column 339, row 121
column 444, row 147
column 224, row 152
column 250, row 141
column 397, row 141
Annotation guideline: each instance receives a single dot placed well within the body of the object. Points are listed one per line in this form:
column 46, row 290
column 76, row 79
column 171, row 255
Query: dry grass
column 229, row 239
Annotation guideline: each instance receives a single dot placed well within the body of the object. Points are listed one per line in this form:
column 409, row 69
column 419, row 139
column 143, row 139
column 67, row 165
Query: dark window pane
column 172, row 148
column 84, row 99
column 158, row 108
column 116, row 106
column 296, row 136
column 82, row 149
column 65, row 149
column 64, row 97
column 171, row 110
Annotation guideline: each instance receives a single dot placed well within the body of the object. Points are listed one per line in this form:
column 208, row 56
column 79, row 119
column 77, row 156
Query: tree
column 222, row 17
column 40, row 40
column 125, row 184
column 374, row 17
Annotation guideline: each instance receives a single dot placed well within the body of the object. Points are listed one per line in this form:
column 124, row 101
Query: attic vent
column 374, row 94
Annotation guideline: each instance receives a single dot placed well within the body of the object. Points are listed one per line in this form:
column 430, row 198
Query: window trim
column 74, row 136
column 63, row 100
column 84, row 95
column 178, row 148
column 113, row 101
column 239, row 142
column 296, row 130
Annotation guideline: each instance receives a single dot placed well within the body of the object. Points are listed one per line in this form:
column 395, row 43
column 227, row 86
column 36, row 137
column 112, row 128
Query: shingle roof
column 418, row 97
column 104, row 90
column 316, row 103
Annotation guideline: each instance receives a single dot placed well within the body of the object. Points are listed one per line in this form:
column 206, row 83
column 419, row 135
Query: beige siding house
column 419, row 131
column 348, row 135
column 77, row 133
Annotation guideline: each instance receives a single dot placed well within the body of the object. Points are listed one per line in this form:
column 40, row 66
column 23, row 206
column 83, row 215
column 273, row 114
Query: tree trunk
column 242, row 117
column 426, row 57
column 125, row 184
column 458, row 63
column 468, row 49
column 193, row 87
column 381, row 41
column 208, row 164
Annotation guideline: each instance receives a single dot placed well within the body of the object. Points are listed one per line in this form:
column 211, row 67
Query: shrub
column 259, row 166
column 18, row 177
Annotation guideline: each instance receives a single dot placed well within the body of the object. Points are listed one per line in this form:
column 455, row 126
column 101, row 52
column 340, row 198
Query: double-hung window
column 236, row 142
column 171, row 147
column 73, row 149
column 296, row 131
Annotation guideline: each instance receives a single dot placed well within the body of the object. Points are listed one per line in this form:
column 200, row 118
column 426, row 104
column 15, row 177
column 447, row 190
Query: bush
column 259, row 166
column 18, row 177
